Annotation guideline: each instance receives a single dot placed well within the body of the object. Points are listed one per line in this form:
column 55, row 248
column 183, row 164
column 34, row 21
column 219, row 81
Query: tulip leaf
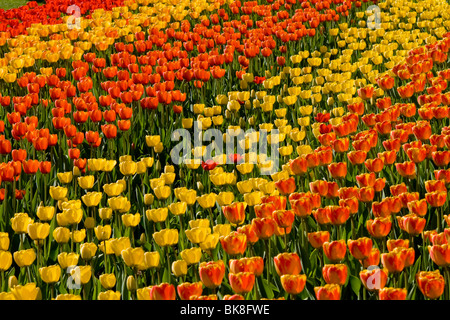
column 355, row 283
column 267, row 288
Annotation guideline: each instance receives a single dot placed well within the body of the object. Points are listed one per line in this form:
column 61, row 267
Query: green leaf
column 355, row 283
column 267, row 289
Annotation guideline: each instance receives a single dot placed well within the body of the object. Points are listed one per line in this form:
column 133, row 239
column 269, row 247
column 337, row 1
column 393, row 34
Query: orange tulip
column 241, row 282
column 335, row 273
column 379, row 227
column 374, row 279
column 436, row 199
column 235, row 213
column 373, row 259
column 212, row 273
column 283, row 218
column 394, row 261
column 335, row 251
column 418, row 207
column 338, row 170
column 317, row 239
column 286, row 186
column 430, row 283
column 397, row 243
column 234, row 243
column 338, row 215
column 406, row 169
column 264, row 227
column 392, row 294
column 360, row 248
column 186, row 290
column 164, row 291
column 264, row 210
column 293, row 284
column 440, row 254
column 287, row 263
column 253, row 264
column 328, row 292
column 302, row 207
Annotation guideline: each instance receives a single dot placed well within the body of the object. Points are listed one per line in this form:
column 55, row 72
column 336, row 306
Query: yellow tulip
column 133, row 256
column 105, row 213
column 88, row 250
column 152, row 259
column 166, row 237
column 107, row 280
column 113, row 189
column 222, row 229
column 178, row 208
column 5, row 260
column 27, row 292
column 131, row 220
column 109, row 165
column 61, row 234
column 125, row 158
column 225, row 198
column 152, row 141
column 20, row 222
column 78, row 235
column 66, row 260
column 92, row 199
column 67, row 296
column 65, row 177
column 50, row 274
column 117, row 245
column 24, row 258
column 117, row 203
column 143, row 293
column 162, row 192
column 105, row 247
column 103, row 232
column 4, row 241
column 109, row 295
column 96, row 164
column 148, row 161
column 168, row 177
column 207, row 200
column 197, row 235
column 45, row 213
column 86, row 182
column 128, row 168
column 157, row 215
column 199, row 223
column 81, row 274
column 179, row 268
column 192, row 255
column 253, row 198
column 210, row 242
column 38, row 231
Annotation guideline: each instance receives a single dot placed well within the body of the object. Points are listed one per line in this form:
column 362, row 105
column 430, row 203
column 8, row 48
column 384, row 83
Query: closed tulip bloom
column 253, row 264
column 198, row 234
column 4, row 241
column 45, row 213
column 264, row 227
column 81, row 274
column 302, row 207
column 113, row 189
column 151, row 259
column 24, row 258
column 440, row 254
column 38, row 231
column 5, row 260
column 328, row 292
column 293, row 284
column 360, row 248
column 166, row 237
column 92, row 199
column 374, row 279
column 397, row 243
column 20, row 222
column 65, row 177
column 27, row 292
column 207, row 201
column 406, row 169
column 373, row 259
column 379, row 227
column 338, row 215
column 163, row 291
column 66, row 260
column 210, row 242
column 78, row 235
column 394, row 261
column 436, row 199
column 128, row 168
column 286, row 186
column 212, row 273
column 86, row 182
column 61, row 234
column 58, row 193
column 283, row 218
column 335, row 251
column 50, row 274
column 179, row 268
column 192, row 255
column 107, row 280
column 103, row 232
column 67, row 296
column 335, row 273
column 105, row 247
column 235, row 243
column 287, row 263
column 109, row 295
column 319, row 186
column 338, row 170
column 222, row 229
column 120, row 244
column 178, row 208
column 157, row 215
column 418, row 207
column 199, row 223
column 392, row 293
column 189, row 196
column 241, row 282
column 133, row 256
column 187, row 289
column 234, row 213
column 88, row 250
column 430, row 283
column 131, row 220
column 411, row 224
column 317, row 239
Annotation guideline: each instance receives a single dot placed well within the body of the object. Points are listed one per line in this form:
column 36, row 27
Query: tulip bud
column 131, row 283
column 227, row 114
column 181, row 174
column 199, row 186
column 148, row 199
column 89, row 223
column 247, row 105
column 143, row 238
column 252, row 93
column 242, row 122
column 267, row 74
column 12, row 282
column 251, row 121
column 158, row 166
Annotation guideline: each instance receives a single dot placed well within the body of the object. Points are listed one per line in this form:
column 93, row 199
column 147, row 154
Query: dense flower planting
column 94, row 207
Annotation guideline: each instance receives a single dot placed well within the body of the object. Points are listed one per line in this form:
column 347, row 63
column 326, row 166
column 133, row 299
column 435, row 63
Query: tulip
column 293, row 284
column 81, row 274
column 335, row 251
column 179, row 268
column 50, row 274
column 107, row 280
column 27, row 292
column 20, row 222
column 235, row 243
column 45, row 213
column 374, row 279
column 241, row 282
column 92, row 199
column 360, row 249
column 5, row 260
column 430, row 283
column 394, row 261
column 88, row 250
column 392, row 293
column 186, row 290
column 66, row 260
column 328, row 292
column 234, row 213
column 38, row 231
column 86, row 182
column 191, row 256
column 440, row 254
column 4, row 241
column 411, row 224
column 164, row 291
column 212, row 273
column 103, row 232
column 166, row 237
column 131, row 220
column 287, row 263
